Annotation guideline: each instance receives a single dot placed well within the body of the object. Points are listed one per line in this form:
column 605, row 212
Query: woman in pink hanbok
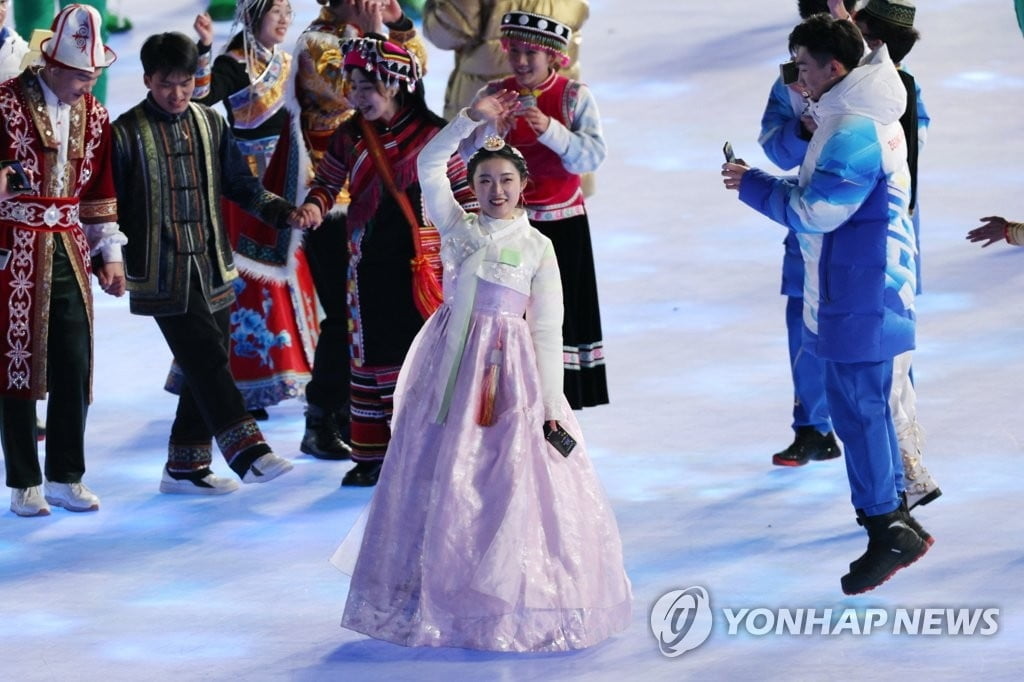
column 481, row 534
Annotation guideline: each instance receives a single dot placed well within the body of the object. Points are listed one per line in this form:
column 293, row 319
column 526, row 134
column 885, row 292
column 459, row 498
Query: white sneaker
column 267, row 468
column 202, row 482
column 74, row 497
column 29, row 501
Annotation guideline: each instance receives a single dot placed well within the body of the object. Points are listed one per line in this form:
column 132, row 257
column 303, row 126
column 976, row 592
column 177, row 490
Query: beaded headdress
column 537, row 31
column 393, row 65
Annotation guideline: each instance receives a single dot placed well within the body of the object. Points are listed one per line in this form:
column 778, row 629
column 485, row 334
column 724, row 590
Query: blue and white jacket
column 785, row 146
column 848, row 207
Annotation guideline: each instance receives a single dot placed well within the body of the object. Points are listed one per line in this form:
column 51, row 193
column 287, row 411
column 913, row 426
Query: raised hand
column 390, row 11
column 838, row 10
column 204, row 29
column 493, row 107
column 368, row 16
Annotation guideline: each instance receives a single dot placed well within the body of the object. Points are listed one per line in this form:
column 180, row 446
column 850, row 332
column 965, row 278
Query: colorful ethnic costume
column 485, row 537
column 318, row 107
column 382, row 308
column 46, row 240
column 274, row 320
column 171, row 171
column 472, row 30
column 572, row 144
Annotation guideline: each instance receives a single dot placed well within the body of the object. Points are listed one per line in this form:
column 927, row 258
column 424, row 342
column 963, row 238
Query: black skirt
column 582, row 341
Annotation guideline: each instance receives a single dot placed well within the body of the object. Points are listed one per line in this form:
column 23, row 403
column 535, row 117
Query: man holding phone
column 786, row 129
column 848, row 208
column 53, row 233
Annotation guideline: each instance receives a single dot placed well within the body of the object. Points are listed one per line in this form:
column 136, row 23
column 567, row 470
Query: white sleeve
column 106, row 239
column 544, row 317
column 432, row 165
column 582, row 147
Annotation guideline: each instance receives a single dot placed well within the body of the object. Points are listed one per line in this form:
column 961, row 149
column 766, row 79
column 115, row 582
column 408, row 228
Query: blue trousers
column 858, row 395
column 810, row 407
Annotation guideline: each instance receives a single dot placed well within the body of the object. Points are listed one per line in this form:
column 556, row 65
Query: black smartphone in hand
column 730, row 157
column 789, row 73
column 559, row 439
column 18, row 180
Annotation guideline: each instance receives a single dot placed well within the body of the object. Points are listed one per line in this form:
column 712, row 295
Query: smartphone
column 790, row 74
column 525, row 102
column 730, row 157
column 559, row 439
column 18, row 180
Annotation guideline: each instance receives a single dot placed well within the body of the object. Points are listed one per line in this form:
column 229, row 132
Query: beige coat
column 472, row 28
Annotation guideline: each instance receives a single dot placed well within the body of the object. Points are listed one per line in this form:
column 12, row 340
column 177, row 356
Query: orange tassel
column 427, row 293
column 489, row 390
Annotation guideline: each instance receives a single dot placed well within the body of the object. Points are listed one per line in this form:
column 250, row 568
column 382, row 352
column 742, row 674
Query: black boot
column 892, row 545
column 363, row 475
column 808, row 444
column 908, row 519
column 322, row 439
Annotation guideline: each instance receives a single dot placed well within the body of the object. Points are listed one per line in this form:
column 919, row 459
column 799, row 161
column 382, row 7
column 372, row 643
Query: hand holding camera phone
column 17, row 180
column 559, row 439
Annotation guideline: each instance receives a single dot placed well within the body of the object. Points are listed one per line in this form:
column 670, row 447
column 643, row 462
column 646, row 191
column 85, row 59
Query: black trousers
column 209, row 401
column 68, row 361
column 327, row 254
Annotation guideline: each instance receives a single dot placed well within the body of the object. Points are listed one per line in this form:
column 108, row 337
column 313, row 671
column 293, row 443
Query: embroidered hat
column 538, row 31
column 393, row 65
column 898, row 12
column 76, row 42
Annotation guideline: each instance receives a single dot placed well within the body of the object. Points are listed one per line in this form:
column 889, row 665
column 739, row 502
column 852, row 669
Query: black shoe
column 323, row 438
column 259, row 414
column 892, row 545
column 807, row 445
column 908, row 519
column 362, row 475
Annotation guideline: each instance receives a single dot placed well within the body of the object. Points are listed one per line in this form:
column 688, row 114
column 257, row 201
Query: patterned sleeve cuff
column 1015, row 233
column 401, row 31
column 204, row 74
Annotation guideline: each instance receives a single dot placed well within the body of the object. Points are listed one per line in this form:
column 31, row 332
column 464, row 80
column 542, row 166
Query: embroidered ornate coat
column 30, row 223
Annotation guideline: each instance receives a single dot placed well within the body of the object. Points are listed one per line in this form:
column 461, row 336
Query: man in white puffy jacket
column 849, row 208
